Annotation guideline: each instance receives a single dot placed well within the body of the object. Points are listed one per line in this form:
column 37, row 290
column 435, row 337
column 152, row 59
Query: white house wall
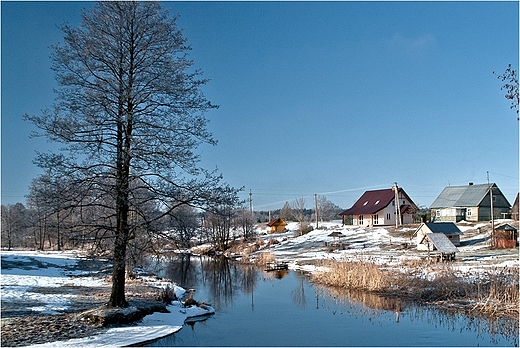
column 382, row 216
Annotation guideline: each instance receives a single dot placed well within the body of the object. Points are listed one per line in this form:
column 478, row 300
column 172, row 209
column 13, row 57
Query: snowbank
column 24, row 270
column 152, row 327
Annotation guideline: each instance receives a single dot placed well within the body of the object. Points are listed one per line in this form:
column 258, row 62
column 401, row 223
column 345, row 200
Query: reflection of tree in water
column 298, row 294
column 219, row 275
column 223, row 277
column 183, row 269
column 369, row 304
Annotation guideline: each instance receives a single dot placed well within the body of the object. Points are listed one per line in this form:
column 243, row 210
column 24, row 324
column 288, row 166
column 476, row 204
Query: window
column 365, row 203
column 376, row 219
column 388, row 216
column 377, row 202
column 468, row 212
column 360, row 221
column 438, row 213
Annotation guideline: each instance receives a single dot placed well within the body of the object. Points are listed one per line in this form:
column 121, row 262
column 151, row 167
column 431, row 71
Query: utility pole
column 251, row 203
column 492, row 210
column 316, row 208
column 397, row 208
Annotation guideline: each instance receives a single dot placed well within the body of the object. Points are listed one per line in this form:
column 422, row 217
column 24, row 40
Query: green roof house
column 469, row 203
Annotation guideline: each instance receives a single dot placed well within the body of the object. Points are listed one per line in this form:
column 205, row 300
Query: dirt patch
column 22, row 325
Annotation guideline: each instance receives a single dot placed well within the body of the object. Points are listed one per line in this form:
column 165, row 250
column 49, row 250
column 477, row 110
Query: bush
column 167, row 295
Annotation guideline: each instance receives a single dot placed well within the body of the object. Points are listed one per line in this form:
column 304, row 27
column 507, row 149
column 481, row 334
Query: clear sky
column 329, row 98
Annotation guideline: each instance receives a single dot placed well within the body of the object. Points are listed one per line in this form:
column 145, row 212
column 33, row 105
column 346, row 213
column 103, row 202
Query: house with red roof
column 380, row 208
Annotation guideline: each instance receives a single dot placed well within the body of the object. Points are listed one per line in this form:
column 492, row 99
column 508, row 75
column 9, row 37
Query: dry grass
column 355, row 275
column 493, row 293
column 264, row 258
column 497, row 293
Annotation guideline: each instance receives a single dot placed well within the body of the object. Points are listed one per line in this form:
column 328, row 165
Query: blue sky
column 329, row 98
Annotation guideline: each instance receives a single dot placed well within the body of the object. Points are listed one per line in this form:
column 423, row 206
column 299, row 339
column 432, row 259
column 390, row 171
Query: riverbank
column 46, row 296
column 385, row 260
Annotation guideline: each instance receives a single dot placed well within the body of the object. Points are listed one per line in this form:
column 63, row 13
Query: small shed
column 506, row 236
column 276, row 225
column 429, row 235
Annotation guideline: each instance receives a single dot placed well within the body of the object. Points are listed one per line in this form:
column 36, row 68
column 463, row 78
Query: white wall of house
column 384, row 217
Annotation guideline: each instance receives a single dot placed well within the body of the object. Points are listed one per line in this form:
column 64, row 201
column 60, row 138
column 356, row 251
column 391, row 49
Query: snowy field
column 384, row 245
column 25, row 271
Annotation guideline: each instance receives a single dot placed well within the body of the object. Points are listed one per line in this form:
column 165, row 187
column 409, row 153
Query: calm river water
column 258, row 308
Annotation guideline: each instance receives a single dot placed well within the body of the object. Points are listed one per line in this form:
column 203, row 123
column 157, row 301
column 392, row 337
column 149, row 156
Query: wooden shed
column 506, row 236
column 431, row 235
column 276, row 225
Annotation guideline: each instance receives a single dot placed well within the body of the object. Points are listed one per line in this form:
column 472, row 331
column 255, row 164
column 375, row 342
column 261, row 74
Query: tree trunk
column 117, row 296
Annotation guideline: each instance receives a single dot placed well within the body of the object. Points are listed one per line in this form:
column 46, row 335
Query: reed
column 263, row 258
column 355, row 275
column 494, row 293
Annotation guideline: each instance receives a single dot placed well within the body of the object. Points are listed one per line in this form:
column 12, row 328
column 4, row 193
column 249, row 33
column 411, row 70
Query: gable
column 465, row 196
column 276, row 222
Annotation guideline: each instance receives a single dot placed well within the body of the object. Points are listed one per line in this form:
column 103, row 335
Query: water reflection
column 242, row 293
column 220, row 277
column 370, row 304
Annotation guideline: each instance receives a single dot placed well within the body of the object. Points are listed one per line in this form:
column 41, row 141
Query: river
column 258, row 308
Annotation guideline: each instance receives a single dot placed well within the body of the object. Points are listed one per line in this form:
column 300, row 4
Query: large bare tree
column 130, row 113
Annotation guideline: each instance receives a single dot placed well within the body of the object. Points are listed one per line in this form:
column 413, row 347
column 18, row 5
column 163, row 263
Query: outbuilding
column 435, row 235
column 505, row 236
column 276, row 225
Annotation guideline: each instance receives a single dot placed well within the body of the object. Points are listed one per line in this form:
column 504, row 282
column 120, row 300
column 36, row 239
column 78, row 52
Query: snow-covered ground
column 391, row 246
column 384, row 245
column 26, row 270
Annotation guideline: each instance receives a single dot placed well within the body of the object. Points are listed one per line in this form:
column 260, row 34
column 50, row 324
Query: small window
column 468, row 212
column 365, row 203
column 388, row 216
column 376, row 219
column 377, row 202
column 360, row 219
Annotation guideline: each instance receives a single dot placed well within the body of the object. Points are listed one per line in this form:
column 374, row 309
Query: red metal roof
column 373, row 201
